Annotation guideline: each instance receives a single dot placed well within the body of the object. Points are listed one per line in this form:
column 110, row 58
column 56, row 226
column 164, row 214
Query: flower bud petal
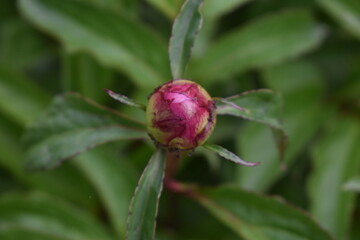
column 180, row 115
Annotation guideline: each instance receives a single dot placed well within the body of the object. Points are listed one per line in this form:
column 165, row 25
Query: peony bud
column 180, row 115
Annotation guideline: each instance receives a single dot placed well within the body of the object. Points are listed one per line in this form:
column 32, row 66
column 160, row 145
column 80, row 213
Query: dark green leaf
column 352, row 185
column 255, row 217
column 82, row 73
column 21, row 46
column 15, row 234
column 70, row 126
column 45, row 216
column 20, row 99
column 169, row 8
column 144, row 205
column 303, row 115
column 114, row 179
column 186, row 26
column 123, row 44
column 124, row 99
column 347, row 12
column 22, row 102
column 216, row 8
column 264, row 106
column 336, row 159
column 66, row 182
column 266, row 41
column 229, row 155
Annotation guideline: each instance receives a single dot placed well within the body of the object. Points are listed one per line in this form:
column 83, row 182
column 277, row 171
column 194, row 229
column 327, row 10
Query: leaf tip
column 252, row 164
column 108, row 91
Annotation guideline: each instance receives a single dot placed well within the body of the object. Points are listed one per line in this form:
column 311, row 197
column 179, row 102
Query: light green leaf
column 335, row 159
column 256, row 217
column 123, row 44
column 114, row 179
column 266, row 41
column 169, row 8
column 20, row 99
column 144, row 205
column 45, row 216
column 72, row 125
column 352, row 185
column 346, row 12
column 302, row 87
column 216, row 8
column 229, row 155
column 185, row 28
column 124, row 99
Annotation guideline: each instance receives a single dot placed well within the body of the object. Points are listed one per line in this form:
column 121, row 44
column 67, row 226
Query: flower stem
column 172, row 161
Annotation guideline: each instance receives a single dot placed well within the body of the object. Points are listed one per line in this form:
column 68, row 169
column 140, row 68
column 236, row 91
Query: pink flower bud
column 180, row 115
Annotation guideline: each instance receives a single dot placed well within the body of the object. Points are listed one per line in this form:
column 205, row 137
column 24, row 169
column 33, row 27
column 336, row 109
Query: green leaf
column 346, row 12
column 123, row 44
column 264, row 106
column 22, row 46
column 256, row 217
column 229, row 155
column 46, row 216
column 185, row 28
column 82, row 73
column 352, row 185
column 335, row 160
column 169, row 8
column 216, row 8
column 15, row 234
column 114, row 179
column 20, row 99
column 266, row 41
column 72, row 125
column 124, row 99
column 302, row 87
column 65, row 182
column 144, row 205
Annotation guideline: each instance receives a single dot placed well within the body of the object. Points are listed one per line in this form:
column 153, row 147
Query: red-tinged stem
column 172, row 162
column 177, row 187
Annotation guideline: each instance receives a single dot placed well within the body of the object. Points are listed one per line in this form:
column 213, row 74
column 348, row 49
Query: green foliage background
column 308, row 50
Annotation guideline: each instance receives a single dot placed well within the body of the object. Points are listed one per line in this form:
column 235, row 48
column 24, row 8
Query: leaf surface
column 352, row 184
column 346, row 12
column 114, row 179
column 144, row 205
column 303, row 115
column 185, row 28
column 72, row 125
column 264, row 106
column 123, row 44
column 20, row 99
column 228, row 155
column 45, row 216
column 124, row 99
column 266, row 41
column 216, row 8
column 335, row 159
column 169, row 8
column 256, row 217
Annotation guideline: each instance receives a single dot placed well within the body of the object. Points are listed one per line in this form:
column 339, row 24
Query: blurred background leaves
column 309, row 51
